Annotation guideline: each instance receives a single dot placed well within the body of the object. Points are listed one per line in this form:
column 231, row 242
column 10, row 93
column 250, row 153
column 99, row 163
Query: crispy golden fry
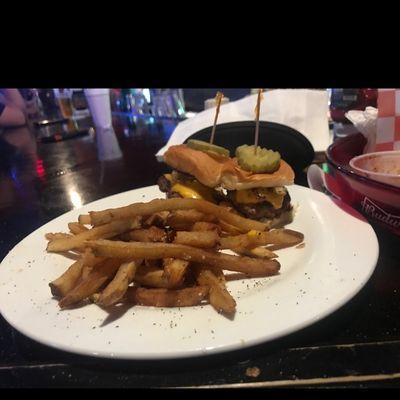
column 89, row 262
column 187, row 297
column 84, row 219
column 219, row 296
column 184, row 219
column 93, row 282
column 219, row 273
column 228, row 206
column 116, row 289
column 174, row 272
column 261, row 252
column 249, row 266
column 87, row 269
column 57, row 235
column 154, row 206
column 236, row 276
column 94, row 297
column 206, row 226
column 172, row 276
column 256, row 238
column 151, row 277
column 78, row 270
column 157, row 219
column 63, row 284
column 76, row 227
column 236, row 242
column 228, row 228
column 105, row 231
column 280, row 236
column 202, row 239
column 152, row 234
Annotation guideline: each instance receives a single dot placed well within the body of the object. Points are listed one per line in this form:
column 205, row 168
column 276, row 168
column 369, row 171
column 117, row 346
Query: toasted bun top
column 215, row 170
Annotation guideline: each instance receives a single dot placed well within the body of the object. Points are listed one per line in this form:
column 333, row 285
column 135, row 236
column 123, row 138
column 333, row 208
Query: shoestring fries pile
column 164, row 253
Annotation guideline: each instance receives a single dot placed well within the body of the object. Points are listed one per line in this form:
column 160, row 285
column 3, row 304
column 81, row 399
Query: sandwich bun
column 218, row 171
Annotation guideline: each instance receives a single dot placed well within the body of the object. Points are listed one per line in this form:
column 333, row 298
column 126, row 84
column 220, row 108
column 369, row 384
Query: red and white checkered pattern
column 388, row 124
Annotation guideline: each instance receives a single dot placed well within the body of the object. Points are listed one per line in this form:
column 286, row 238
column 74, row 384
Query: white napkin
column 305, row 110
column 366, row 123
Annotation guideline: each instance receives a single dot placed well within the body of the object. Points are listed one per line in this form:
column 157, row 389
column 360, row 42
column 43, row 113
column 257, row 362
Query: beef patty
column 262, row 210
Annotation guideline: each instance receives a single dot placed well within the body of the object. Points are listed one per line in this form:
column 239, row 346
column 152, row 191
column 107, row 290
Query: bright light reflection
column 190, row 114
column 146, row 94
column 75, row 198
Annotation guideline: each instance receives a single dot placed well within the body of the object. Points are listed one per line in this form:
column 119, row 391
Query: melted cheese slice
column 192, row 190
column 250, row 196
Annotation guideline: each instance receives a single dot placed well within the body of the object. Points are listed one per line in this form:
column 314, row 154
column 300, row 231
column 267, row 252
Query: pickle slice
column 207, row 147
column 261, row 161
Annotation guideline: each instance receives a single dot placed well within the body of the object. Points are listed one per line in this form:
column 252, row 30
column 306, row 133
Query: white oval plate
column 339, row 257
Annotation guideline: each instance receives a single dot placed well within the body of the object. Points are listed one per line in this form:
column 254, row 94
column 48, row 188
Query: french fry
column 93, row 282
column 219, row 296
column 94, row 297
column 202, row 239
column 187, row 297
column 157, row 205
column 256, row 238
column 63, row 284
column 261, row 252
column 236, row 242
column 184, row 219
column 76, row 272
column 58, row 235
column 228, row 228
column 219, row 273
column 105, row 231
column 279, row 236
column 116, row 289
column 87, row 269
column 84, row 219
column 206, row 226
column 89, row 262
column 152, row 234
column 151, row 277
column 76, row 227
column 174, row 272
column 228, row 206
column 124, row 250
column 172, row 276
column 157, row 219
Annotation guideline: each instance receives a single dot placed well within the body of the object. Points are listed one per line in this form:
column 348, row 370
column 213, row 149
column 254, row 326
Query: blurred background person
column 12, row 108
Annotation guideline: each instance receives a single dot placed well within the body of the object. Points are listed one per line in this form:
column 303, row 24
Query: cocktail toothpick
column 257, row 111
column 218, row 99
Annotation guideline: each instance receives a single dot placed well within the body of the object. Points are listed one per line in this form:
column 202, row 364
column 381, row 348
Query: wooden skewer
column 218, row 99
column 257, row 111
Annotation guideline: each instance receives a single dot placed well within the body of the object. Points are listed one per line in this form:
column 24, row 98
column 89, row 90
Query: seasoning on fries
column 164, row 253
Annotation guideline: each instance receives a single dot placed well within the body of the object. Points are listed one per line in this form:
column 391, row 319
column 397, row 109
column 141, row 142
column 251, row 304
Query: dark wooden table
column 357, row 346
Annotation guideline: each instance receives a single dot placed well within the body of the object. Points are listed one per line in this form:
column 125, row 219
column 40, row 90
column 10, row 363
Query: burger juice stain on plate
column 313, row 282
